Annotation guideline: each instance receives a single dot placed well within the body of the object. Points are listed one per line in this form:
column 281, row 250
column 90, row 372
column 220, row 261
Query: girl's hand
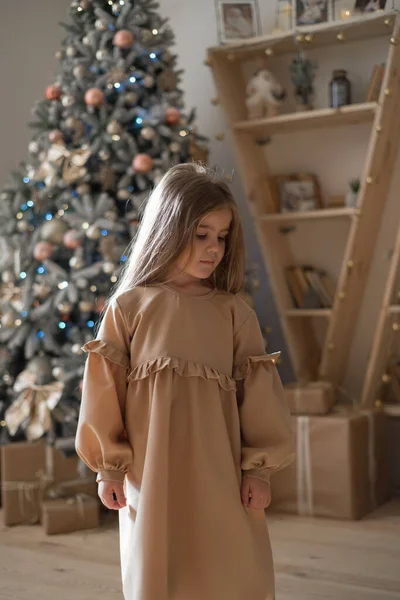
column 255, row 493
column 111, row 493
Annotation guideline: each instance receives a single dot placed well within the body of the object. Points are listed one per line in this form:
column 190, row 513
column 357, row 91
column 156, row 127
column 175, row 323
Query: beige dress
column 179, row 401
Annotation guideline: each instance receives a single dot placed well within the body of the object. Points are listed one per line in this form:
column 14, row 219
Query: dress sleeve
column 267, row 440
column 101, row 441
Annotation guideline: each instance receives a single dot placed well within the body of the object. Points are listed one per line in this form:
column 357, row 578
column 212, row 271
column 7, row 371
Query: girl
column 183, row 416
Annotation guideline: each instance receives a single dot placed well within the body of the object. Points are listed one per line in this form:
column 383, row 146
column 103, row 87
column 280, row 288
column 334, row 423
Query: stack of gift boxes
column 43, row 484
column 341, row 465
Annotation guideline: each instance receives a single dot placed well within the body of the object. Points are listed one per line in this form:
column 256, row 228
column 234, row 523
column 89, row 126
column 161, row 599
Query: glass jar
column 340, row 89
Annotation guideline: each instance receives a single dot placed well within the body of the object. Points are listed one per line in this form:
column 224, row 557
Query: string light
column 340, row 36
column 22, row 275
column 18, row 322
column 49, row 217
column 85, row 225
column 40, row 334
column 132, row 79
column 61, row 325
column 394, row 41
column 19, row 215
column 30, row 203
column 90, row 323
column 93, row 288
column 26, row 180
column 153, row 56
column 113, row 279
column 117, row 85
column 62, row 285
column 155, row 32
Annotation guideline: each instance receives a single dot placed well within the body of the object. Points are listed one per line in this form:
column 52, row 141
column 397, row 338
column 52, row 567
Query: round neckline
column 187, row 294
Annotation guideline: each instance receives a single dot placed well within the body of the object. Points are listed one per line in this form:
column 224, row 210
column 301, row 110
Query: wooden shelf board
column 394, row 309
column 310, row 119
column 367, row 27
column 392, row 409
column 308, row 312
column 309, row 215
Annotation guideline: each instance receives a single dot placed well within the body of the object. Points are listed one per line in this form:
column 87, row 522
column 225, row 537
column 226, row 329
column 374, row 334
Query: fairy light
column 62, row 285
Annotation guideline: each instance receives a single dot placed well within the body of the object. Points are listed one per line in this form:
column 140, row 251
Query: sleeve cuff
column 263, row 475
column 110, row 475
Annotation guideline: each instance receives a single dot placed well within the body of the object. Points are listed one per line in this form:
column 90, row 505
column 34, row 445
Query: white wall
column 30, row 36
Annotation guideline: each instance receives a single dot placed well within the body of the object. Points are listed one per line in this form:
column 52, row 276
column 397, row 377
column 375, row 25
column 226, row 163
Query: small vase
column 351, row 199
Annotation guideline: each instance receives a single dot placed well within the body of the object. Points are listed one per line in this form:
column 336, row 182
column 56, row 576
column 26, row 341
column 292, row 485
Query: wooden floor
column 315, row 559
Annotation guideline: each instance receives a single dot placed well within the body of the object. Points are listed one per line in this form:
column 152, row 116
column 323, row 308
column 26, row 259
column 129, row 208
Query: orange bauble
column 94, row 97
column 124, row 39
column 53, row 92
column 142, row 163
column 42, row 251
column 172, row 115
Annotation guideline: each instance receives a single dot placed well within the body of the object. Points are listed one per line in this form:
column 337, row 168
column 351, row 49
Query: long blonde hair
column 185, row 194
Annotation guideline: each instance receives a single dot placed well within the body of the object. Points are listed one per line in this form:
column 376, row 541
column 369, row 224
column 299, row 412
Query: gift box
column 340, row 470
column 29, row 471
column 64, row 515
column 312, row 398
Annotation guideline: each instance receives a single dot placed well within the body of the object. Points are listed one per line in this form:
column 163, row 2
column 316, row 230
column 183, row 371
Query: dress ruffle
column 109, row 351
column 244, row 369
column 185, row 368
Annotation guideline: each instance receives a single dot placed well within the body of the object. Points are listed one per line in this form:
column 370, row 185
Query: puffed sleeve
column 267, row 440
column 100, row 441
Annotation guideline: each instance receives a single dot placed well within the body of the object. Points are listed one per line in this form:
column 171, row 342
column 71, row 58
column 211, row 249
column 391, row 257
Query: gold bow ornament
column 34, row 403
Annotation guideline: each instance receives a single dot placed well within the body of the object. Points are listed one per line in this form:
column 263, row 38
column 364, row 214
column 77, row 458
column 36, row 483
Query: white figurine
column 264, row 95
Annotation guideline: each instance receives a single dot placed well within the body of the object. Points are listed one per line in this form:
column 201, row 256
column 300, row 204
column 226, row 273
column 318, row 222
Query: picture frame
column 369, row 6
column 237, row 20
column 296, row 192
column 312, row 12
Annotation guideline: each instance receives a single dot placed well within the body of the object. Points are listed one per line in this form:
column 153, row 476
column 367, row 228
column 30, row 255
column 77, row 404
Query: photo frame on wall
column 237, row 20
column 312, row 12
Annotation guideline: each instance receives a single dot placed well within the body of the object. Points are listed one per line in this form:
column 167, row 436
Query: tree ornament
column 175, row 147
column 147, row 133
column 93, row 232
column 148, row 81
column 55, row 136
column 101, row 25
column 76, row 262
column 102, row 54
column 130, row 99
column 115, row 9
column 76, row 349
column 142, row 163
column 33, row 147
column 42, row 251
column 80, row 71
column 22, row 226
column 71, row 52
column 94, row 97
column 123, row 194
column 104, row 155
column 172, row 116
column 114, row 128
column 53, row 92
column 65, row 308
column 68, row 100
column 72, row 239
column 53, row 231
column 124, row 39
column 108, row 267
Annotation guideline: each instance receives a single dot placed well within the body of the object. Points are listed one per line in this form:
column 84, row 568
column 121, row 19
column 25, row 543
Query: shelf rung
column 309, row 215
column 323, row 117
column 308, row 312
column 394, row 309
column 392, row 409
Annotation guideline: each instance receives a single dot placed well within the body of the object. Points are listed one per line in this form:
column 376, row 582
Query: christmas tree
column 109, row 126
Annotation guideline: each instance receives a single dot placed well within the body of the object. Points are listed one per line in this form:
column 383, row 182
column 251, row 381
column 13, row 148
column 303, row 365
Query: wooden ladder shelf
column 309, row 360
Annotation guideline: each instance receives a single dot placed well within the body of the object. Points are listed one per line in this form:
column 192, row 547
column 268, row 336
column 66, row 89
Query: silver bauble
column 147, row 133
column 108, row 267
column 33, row 147
column 67, row 100
column 101, row 25
column 101, row 54
column 71, row 52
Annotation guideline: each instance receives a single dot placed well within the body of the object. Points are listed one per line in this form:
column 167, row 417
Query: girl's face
column 209, row 245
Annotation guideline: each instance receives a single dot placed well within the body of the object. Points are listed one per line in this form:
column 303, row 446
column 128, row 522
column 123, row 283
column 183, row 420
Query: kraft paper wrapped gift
column 65, row 515
column 29, row 471
column 340, row 469
column 312, row 398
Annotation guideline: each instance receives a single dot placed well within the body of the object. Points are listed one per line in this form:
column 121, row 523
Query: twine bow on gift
column 34, row 404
